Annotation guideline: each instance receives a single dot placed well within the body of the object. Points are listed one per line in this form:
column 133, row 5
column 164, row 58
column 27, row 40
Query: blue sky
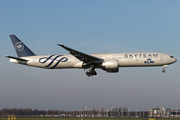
column 91, row 26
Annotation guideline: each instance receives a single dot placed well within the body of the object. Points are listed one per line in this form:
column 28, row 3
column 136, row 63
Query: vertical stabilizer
column 21, row 49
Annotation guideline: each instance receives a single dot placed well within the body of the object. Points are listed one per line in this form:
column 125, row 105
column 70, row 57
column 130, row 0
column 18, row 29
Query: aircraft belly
column 128, row 63
column 53, row 64
column 67, row 64
column 140, row 62
column 37, row 64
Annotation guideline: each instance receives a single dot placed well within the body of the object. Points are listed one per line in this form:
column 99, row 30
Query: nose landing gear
column 164, row 66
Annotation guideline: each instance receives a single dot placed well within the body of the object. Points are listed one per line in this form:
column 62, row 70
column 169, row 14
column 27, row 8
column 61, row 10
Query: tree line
column 87, row 113
column 26, row 112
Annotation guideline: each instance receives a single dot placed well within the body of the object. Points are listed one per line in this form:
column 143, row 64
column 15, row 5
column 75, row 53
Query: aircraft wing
column 82, row 56
column 16, row 58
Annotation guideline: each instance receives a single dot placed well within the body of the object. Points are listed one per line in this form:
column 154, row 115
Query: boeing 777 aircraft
column 109, row 62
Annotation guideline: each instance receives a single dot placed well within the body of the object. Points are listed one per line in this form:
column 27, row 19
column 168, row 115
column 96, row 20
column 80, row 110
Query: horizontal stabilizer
column 16, row 58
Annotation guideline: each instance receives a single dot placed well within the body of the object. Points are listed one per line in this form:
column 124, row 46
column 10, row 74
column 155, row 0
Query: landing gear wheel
column 163, row 71
column 91, row 73
column 87, row 73
column 95, row 73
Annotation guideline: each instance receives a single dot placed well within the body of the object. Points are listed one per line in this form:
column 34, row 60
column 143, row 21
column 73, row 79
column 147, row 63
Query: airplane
column 109, row 62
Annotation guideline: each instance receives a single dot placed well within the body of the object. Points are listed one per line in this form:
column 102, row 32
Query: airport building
column 159, row 112
column 118, row 112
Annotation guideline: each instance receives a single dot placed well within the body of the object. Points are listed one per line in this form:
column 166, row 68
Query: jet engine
column 110, row 66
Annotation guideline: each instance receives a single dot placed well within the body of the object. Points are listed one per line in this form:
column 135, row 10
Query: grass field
column 63, row 118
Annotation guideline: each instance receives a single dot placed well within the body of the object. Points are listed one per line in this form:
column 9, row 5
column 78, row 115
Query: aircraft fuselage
column 124, row 60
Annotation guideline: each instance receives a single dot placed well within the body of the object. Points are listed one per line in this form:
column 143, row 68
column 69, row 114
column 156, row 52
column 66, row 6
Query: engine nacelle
column 110, row 66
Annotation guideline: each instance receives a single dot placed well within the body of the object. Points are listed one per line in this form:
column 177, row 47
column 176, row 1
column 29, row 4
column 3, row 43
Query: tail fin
column 21, row 49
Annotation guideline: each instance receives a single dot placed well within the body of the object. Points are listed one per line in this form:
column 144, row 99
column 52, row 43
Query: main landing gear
column 91, row 72
column 164, row 66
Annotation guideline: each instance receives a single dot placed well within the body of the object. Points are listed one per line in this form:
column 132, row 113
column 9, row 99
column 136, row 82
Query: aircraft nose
column 172, row 59
column 175, row 59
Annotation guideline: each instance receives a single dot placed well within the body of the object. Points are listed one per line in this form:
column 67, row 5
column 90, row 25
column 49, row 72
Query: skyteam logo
column 19, row 46
column 53, row 59
column 149, row 60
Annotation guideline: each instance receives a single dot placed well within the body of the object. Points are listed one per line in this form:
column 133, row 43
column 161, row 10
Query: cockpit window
column 171, row 56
